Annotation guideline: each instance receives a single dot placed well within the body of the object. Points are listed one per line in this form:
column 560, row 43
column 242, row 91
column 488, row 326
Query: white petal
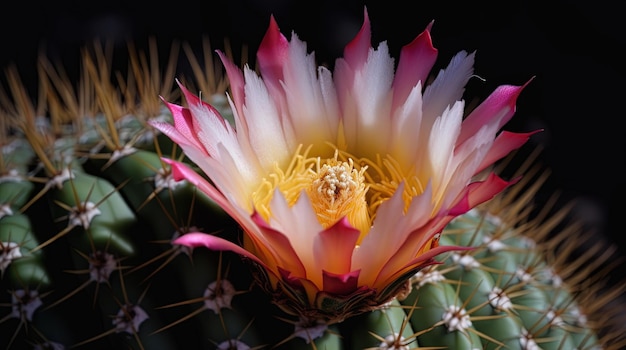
column 466, row 160
column 407, row 123
column 235, row 179
column 421, row 208
column 388, row 232
column 299, row 222
column 212, row 129
column 443, row 136
column 448, row 86
column 267, row 137
column 372, row 95
column 303, row 93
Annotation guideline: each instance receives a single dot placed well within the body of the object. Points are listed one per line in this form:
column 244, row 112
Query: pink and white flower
column 343, row 180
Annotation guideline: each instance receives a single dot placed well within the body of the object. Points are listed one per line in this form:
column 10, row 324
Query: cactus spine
column 88, row 210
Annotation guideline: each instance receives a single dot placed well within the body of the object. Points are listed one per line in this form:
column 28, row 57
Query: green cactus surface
column 88, row 211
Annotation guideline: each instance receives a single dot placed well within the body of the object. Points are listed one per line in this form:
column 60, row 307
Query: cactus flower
column 342, row 179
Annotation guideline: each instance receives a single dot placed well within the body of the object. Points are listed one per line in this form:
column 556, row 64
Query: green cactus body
column 388, row 327
column 96, row 210
column 27, row 269
column 14, row 193
column 439, row 311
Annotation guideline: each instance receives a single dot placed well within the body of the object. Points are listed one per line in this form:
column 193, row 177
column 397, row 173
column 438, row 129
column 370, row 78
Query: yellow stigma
column 337, row 190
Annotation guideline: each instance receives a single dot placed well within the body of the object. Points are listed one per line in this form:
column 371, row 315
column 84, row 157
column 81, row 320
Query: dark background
column 574, row 51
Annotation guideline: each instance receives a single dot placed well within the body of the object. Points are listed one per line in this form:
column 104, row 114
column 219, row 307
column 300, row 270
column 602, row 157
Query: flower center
column 339, row 186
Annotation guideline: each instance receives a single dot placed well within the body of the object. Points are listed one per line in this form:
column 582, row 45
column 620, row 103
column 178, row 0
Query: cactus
column 89, row 209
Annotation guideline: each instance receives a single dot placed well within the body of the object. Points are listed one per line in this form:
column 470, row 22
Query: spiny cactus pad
column 88, row 211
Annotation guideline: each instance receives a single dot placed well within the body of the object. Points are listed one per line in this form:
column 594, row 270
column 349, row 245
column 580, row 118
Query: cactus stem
column 53, row 238
column 528, row 342
column 485, row 336
column 218, row 295
column 24, row 303
column 82, row 214
column 8, row 174
column 396, row 340
column 9, row 251
column 163, row 180
column 128, row 319
column 171, row 254
column 459, row 318
column 118, row 153
column 5, row 209
column 393, row 341
column 49, row 183
column 101, row 266
column 184, row 318
column 307, row 329
column 499, row 300
column 427, row 275
column 79, row 215
column 235, row 343
column 96, row 337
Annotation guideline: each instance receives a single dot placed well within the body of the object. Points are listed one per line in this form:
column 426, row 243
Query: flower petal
column 199, row 239
column 334, row 246
column 267, row 136
column 182, row 171
column 183, row 124
column 447, row 87
column 280, row 247
column 408, row 73
column 341, row 284
column 210, row 127
column 497, row 109
column 237, row 86
column 442, row 139
column 389, row 232
column 408, row 123
column 272, row 54
column 299, row 222
column 365, row 98
column 504, row 143
column 479, row 192
column 417, row 243
column 311, row 100
column 356, row 51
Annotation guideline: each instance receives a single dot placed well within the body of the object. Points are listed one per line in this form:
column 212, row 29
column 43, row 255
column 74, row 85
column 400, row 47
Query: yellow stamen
column 383, row 177
column 290, row 181
column 340, row 186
